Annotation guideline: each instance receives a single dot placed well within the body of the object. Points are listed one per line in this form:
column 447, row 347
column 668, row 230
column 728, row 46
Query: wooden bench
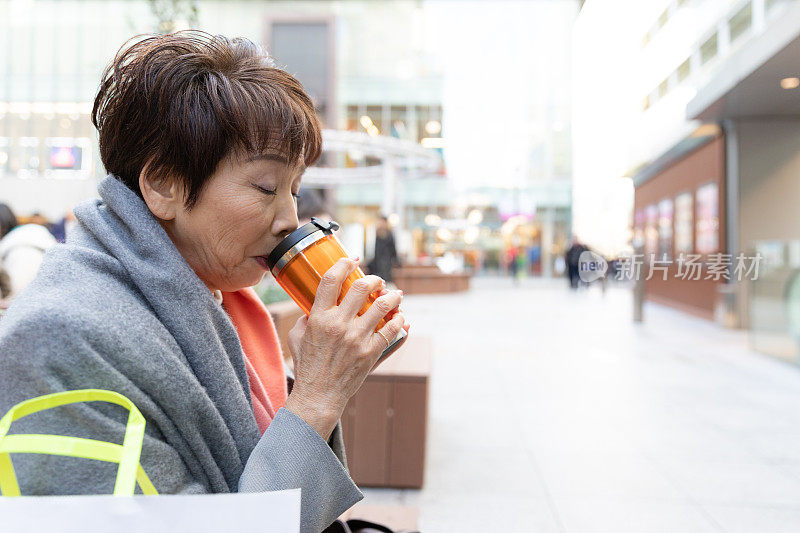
column 428, row 279
column 385, row 423
column 396, row 517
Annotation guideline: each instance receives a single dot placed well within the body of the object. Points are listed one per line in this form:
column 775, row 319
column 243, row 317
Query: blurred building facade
column 417, row 71
column 508, row 120
column 709, row 137
column 51, row 58
column 494, row 103
column 382, row 84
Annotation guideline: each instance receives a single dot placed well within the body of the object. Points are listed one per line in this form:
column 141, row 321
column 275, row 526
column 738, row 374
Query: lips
column 262, row 260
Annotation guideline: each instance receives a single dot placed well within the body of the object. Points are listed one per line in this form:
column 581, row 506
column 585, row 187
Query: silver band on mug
column 296, row 249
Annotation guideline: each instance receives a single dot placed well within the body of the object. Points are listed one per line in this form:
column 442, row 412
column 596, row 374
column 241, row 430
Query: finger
column 387, row 333
column 380, row 308
column 298, row 330
column 331, row 284
column 296, row 334
column 385, row 356
column 358, row 293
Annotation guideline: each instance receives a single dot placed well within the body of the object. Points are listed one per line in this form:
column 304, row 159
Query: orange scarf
column 262, row 350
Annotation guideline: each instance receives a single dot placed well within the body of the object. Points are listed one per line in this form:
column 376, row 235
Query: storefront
column 679, row 219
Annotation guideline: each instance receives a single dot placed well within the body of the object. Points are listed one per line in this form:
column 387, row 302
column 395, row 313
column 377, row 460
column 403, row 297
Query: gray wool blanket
column 118, row 308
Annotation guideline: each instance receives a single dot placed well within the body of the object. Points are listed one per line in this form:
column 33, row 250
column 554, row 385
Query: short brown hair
column 179, row 103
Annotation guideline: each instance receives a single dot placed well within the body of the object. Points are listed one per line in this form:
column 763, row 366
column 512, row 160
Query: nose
column 285, row 220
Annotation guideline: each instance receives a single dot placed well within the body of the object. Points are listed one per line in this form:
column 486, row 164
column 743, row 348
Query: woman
column 205, row 143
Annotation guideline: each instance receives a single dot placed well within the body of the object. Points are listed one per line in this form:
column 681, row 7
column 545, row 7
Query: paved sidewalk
column 551, row 411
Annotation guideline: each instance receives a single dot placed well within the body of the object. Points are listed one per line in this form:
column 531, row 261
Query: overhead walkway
column 398, row 160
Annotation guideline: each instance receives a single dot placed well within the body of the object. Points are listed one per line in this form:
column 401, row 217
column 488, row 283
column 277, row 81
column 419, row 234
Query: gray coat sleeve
column 291, row 454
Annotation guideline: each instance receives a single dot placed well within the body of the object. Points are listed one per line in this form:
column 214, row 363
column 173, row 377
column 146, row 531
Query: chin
column 242, row 281
column 253, row 280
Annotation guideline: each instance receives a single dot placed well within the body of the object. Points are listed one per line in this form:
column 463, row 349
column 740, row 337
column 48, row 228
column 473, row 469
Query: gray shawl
column 118, row 308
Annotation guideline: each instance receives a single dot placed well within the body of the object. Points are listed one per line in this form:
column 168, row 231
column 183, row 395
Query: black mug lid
column 298, row 235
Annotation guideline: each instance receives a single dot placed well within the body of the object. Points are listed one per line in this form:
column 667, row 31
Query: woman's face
column 245, row 209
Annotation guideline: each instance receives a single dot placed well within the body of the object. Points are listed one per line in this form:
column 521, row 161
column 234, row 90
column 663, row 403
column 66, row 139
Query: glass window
column 63, row 154
column 663, row 88
column 665, row 214
column 651, row 230
column 638, row 227
column 352, row 123
column 708, row 219
column 398, row 116
column 304, row 47
column 770, row 4
column 708, row 50
column 663, row 18
column 372, row 120
column 28, row 157
column 684, row 223
column 67, row 157
column 562, row 156
column 741, row 21
column 684, row 70
column 423, row 114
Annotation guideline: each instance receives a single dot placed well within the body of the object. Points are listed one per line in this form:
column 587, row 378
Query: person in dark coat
column 572, row 258
column 385, row 252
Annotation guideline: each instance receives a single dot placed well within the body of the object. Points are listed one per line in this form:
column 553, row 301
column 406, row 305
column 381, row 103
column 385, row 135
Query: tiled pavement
column 551, row 411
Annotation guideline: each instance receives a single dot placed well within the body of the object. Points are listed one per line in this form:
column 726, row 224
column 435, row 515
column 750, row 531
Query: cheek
column 236, row 227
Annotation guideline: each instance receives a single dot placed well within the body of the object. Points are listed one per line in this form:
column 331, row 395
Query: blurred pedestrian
column 534, row 258
column 385, row 256
column 572, row 259
column 61, row 229
column 513, row 265
column 22, row 247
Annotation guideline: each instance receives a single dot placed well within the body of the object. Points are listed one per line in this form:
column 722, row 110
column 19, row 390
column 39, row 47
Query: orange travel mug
column 299, row 261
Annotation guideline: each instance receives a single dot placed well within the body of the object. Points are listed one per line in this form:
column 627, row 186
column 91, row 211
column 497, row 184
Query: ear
column 164, row 196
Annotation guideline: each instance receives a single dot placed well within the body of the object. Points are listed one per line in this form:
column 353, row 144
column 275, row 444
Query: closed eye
column 270, row 192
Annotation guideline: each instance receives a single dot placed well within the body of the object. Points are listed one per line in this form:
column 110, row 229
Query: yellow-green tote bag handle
column 127, row 454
